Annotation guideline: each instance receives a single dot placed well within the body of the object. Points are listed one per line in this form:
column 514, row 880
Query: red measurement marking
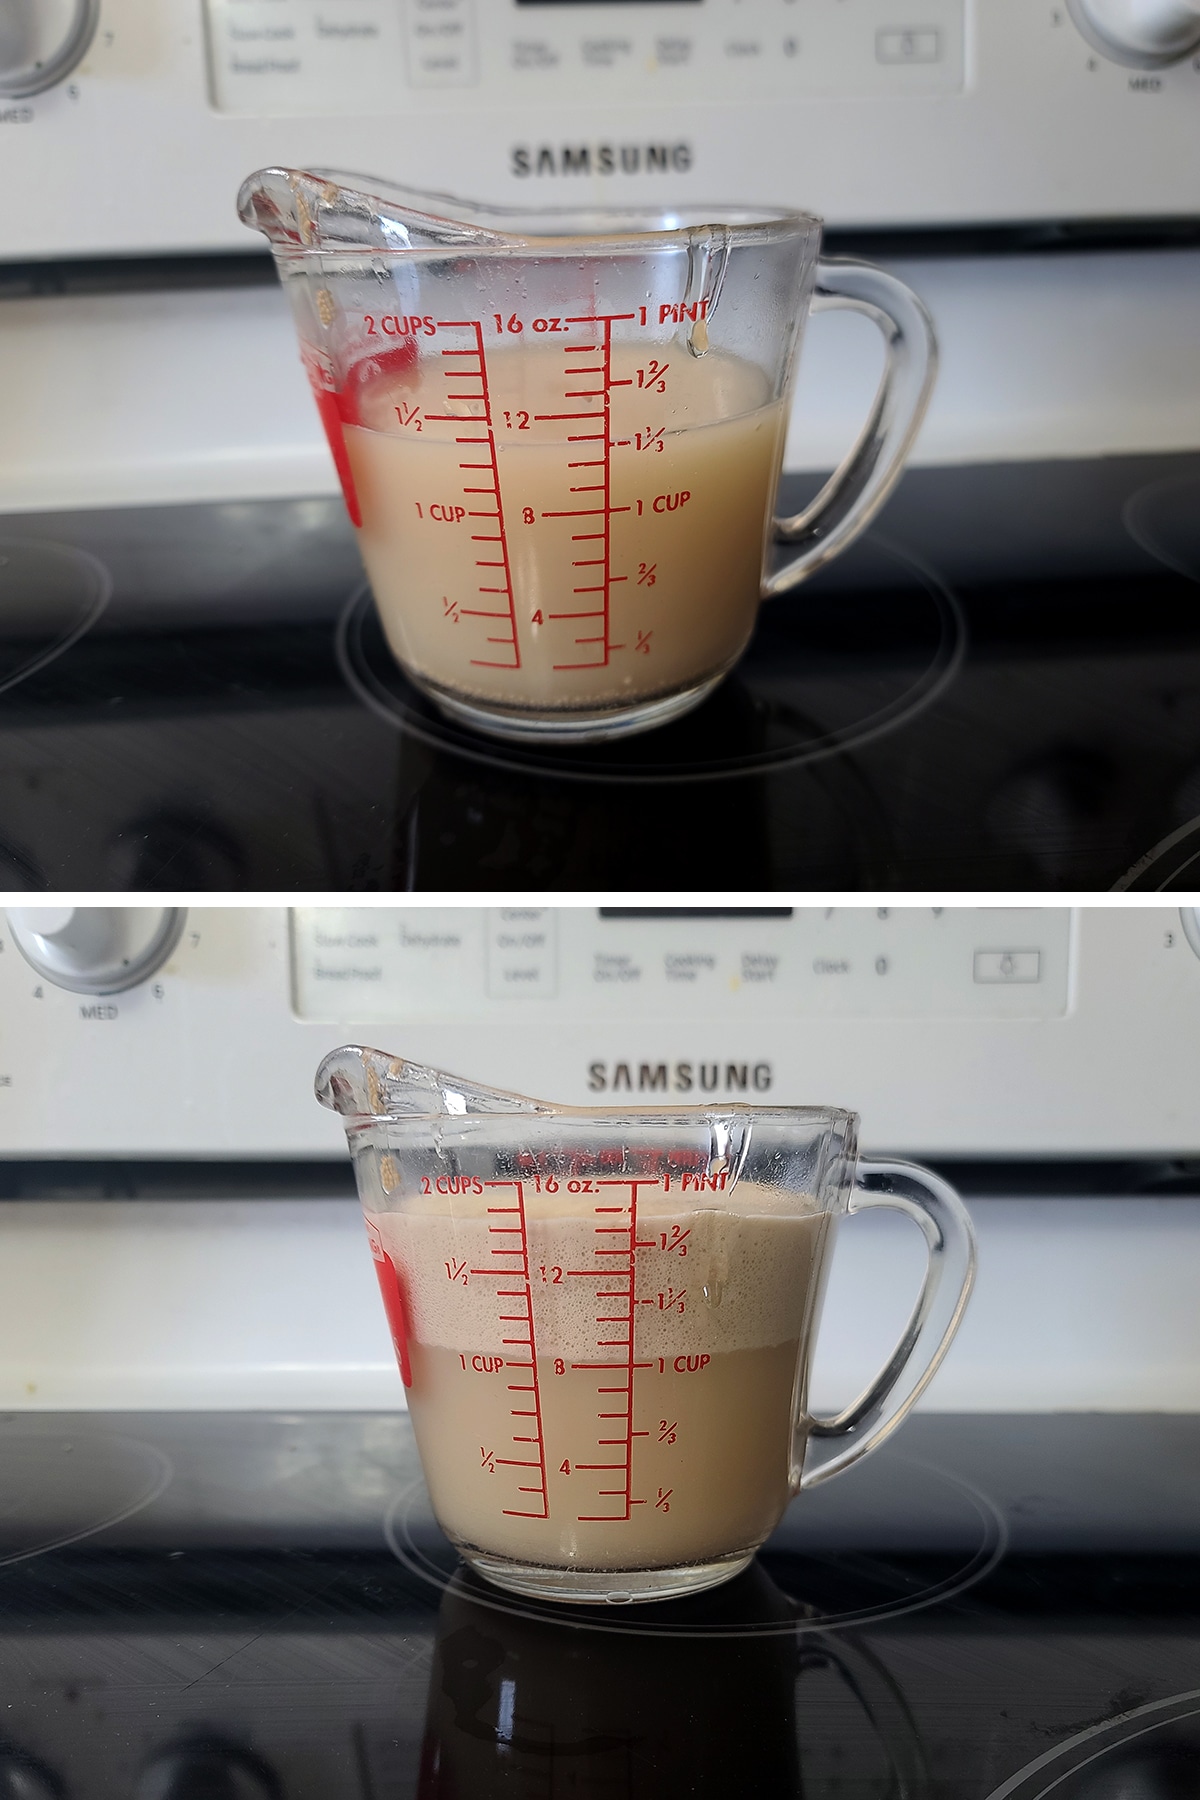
column 487, row 1460
column 643, row 642
column 663, row 1503
column 596, row 647
column 450, row 609
column 653, row 376
column 647, row 574
column 507, row 640
column 667, row 1430
column 650, row 439
column 527, row 1420
column 675, row 1239
column 625, row 1290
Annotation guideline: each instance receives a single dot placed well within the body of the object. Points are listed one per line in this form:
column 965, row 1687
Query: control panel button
column 908, row 46
column 1143, row 34
column 95, row 949
column 41, row 41
column 1008, row 965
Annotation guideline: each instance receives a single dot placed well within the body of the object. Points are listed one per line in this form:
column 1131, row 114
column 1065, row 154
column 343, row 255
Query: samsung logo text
column 601, row 159
column 680, row 1078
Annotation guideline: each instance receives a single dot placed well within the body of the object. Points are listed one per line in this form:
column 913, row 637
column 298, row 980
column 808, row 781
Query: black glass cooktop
column 256, row 1607
column 998, row 689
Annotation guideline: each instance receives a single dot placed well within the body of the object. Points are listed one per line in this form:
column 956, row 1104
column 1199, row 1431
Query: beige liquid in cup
column 595, row 579
column 698, row 1469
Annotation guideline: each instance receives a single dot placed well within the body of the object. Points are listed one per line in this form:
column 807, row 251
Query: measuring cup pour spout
column 369, row 1084
column 319, row 209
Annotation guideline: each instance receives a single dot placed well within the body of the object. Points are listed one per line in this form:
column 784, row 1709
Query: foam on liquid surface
column 746, row 1276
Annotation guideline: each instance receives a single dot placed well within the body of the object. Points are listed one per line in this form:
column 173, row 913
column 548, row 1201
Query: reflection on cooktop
column 823, row 1569
column 1006, row 706
column 999, row 1607
column 519, row 1705
column 833, row 680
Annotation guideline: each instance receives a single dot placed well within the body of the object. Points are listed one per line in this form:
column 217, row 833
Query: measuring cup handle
column 858, row 488
column 949, row 1276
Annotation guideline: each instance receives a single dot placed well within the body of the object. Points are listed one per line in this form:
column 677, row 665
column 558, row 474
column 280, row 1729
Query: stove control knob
column 41, row 41
column 1143, row 34
column 95, row 949
column 1189, row 918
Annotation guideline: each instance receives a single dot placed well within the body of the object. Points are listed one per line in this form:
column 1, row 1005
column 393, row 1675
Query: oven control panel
column 297, row 57
column 539, row 966
column 127, row 129
column 1002, row 1031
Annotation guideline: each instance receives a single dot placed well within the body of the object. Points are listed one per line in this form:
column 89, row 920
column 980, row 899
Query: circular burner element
column 58, row 1487
column 49, row 596
column 1151, row 1753
column 1164, row 519
column 825, row 1564
column 1173, row 865
column 854, row 655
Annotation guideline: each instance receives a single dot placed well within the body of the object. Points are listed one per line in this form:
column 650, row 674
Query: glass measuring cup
column 559, row 434
column 605, row 1317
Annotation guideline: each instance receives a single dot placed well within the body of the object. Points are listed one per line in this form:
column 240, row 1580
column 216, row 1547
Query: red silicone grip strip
column 397, row 1311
